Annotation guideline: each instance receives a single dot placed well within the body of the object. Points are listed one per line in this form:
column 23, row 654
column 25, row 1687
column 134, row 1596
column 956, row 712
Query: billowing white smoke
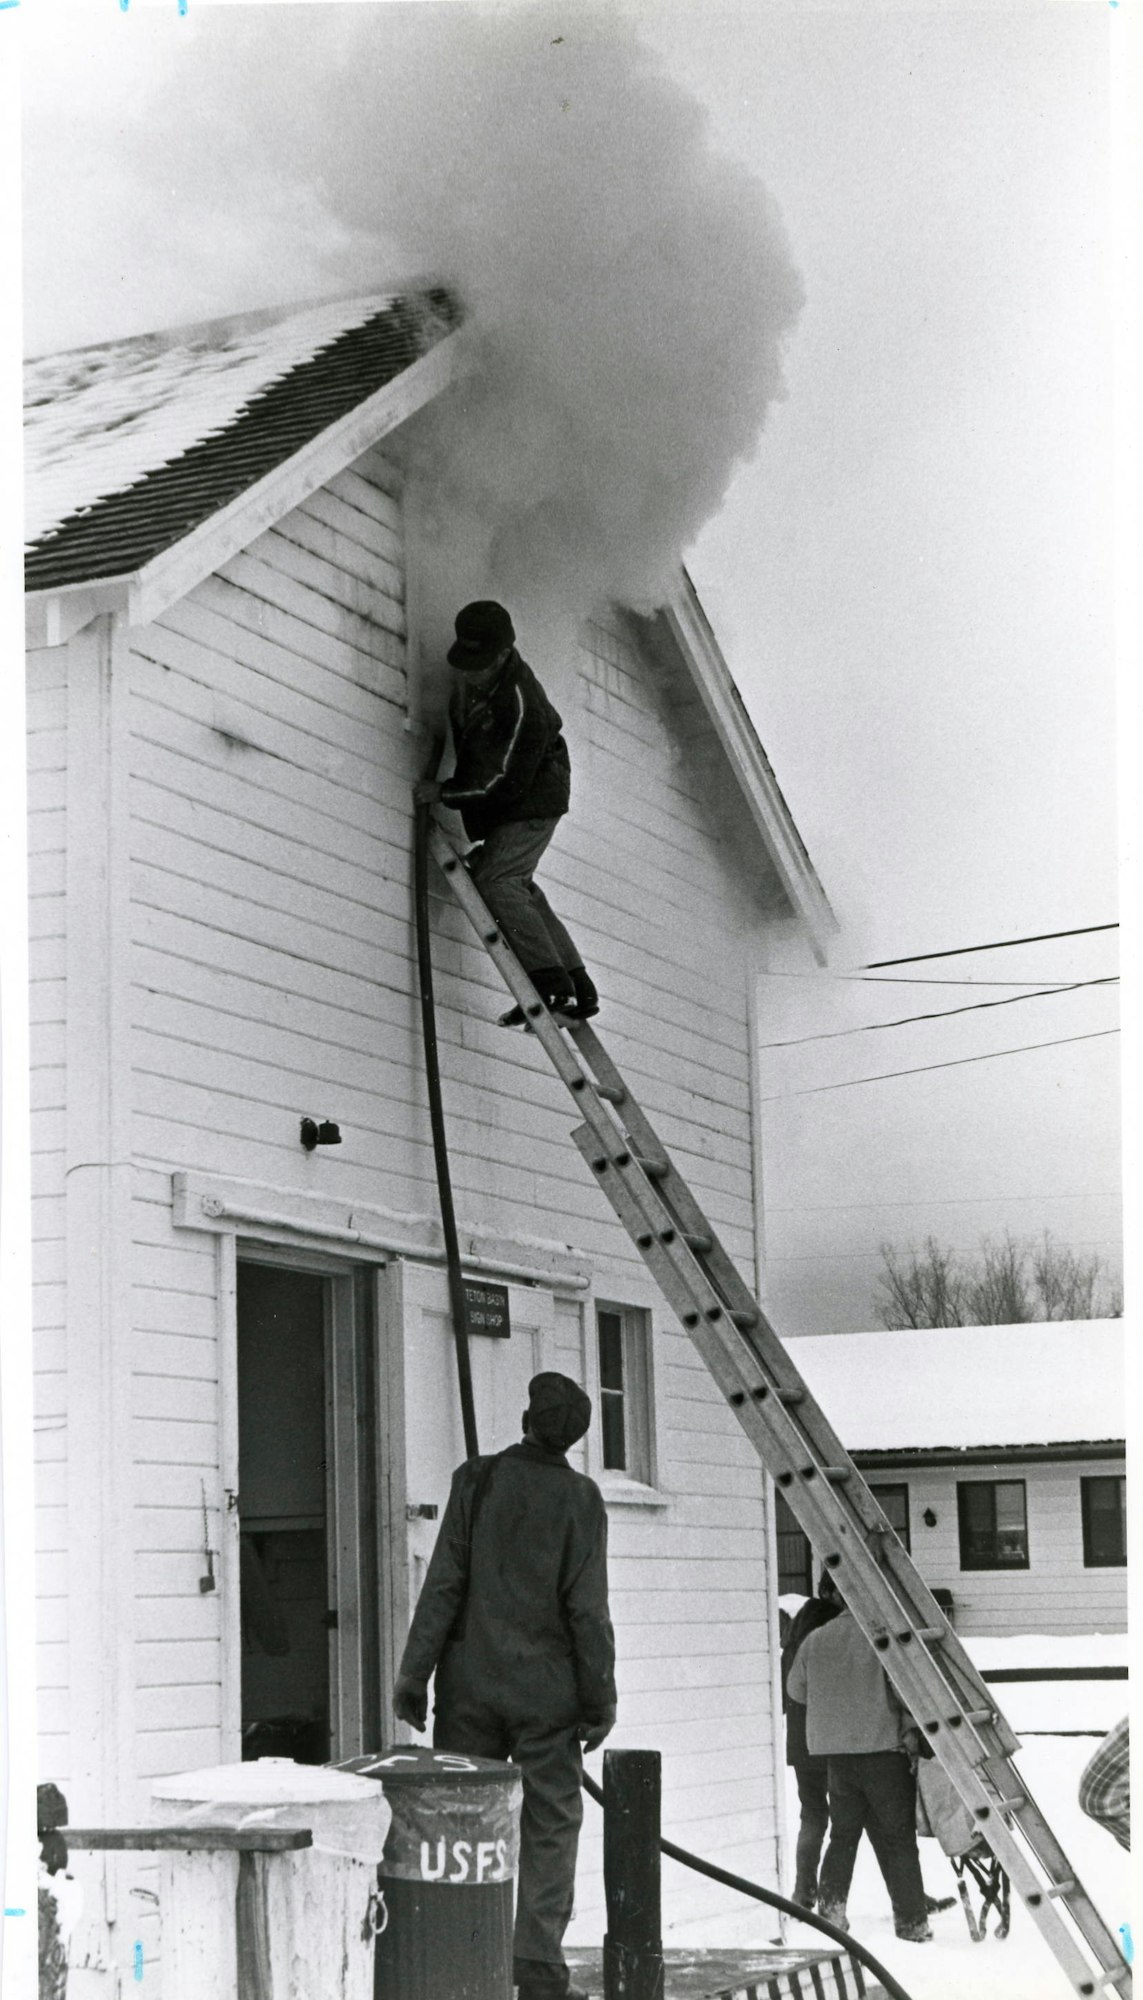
column 627, row 289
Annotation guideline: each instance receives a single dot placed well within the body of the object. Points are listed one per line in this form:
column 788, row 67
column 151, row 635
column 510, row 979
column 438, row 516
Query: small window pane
column 611, row 1351
column 894, row 1501
column 993, row 1524
column 795, row 1557
column 1104, row 1503
column 614, row 1441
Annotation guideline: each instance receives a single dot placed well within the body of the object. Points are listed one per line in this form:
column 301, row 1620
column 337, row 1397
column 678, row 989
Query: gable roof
column 150, row 461
column 965, row 1387
column 131, row 446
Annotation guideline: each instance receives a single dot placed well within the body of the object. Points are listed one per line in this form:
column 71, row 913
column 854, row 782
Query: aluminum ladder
column 925, row 1661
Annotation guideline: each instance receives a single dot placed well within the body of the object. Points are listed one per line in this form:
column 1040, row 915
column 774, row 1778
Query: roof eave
column 54, row 615
column 728, row 716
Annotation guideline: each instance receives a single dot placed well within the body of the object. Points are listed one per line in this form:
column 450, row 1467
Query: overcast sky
column 911, row 577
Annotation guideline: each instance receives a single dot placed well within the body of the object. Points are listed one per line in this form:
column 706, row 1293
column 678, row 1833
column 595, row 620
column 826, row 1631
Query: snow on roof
column 128, row 445
column 965, row 1386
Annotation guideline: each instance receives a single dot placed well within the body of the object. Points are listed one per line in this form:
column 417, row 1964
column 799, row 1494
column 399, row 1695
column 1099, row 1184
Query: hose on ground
column 893, row 1987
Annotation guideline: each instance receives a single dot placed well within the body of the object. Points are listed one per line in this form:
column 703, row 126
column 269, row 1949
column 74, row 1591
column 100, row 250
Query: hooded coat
column 511, row 759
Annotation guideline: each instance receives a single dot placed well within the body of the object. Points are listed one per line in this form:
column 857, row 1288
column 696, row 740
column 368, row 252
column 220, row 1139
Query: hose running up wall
column 464, row 1376
column 456, row 1298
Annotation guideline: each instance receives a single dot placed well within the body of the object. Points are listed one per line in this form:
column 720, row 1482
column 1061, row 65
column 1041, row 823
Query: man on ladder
column 513, row 1618
column 511, row 786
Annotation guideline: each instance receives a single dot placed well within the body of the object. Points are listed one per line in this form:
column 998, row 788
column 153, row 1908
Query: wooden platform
column 768, row 1974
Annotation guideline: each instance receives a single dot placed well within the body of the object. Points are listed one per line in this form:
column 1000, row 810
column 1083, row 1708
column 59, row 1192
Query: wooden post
column 633, row 1945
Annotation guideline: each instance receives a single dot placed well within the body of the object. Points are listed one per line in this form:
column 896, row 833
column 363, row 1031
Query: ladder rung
column 701, row 1245
column 612, row 1093
column 791, row 1397
column 1015, row 1804
column 1065, row 1888
column 930, row 1632
column 654, row 1166
column 836, row 1474
column 745, row 1319
column 977, row 1715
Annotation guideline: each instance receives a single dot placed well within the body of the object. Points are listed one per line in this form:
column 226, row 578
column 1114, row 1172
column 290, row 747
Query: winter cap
column 483, row 630
column 559, row 1411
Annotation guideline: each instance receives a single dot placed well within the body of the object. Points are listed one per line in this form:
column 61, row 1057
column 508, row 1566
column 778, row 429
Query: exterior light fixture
column 929, row 1518
column 321, row 1132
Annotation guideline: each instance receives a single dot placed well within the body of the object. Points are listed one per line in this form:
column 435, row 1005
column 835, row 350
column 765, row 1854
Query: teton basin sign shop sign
column 486, row 1310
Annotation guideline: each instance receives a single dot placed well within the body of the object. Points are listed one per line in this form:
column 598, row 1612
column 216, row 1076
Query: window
column 993, row 1519
column 894, row 1501
column 1103, row 1503
column 623, row 1343
column 795, row 1557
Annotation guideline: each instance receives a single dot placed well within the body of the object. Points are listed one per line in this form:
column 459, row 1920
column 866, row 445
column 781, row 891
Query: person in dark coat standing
column 810, row 1772
column 511, row 786
column 513, row 1618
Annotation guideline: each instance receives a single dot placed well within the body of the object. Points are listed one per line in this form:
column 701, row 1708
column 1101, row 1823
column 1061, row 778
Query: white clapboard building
column 243, row 1355
column 998, row 1453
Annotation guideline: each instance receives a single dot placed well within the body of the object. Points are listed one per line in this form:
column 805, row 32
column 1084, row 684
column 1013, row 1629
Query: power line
column 940, row 1014
column 1000, row 944
column 864, row 979
column 957, row 1062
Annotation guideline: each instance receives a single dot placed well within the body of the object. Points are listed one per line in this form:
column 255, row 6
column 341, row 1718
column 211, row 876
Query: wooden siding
column 1055, row 1593
column 273, row 975
column 47, row 870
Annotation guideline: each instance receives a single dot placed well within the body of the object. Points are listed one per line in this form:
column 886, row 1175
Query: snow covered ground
column 1020, row 1967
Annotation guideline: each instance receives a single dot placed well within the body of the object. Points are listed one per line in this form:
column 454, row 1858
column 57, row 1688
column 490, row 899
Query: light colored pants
column 502, row 871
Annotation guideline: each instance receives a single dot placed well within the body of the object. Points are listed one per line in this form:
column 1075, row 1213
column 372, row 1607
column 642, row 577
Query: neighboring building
column 242, row 1349
column 998, row 1454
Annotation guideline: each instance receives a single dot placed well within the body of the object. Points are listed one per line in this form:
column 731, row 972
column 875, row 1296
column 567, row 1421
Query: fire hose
column 892, row 1986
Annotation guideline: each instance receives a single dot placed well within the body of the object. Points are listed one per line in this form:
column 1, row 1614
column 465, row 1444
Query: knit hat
column 483, row 630
column 559, row 1411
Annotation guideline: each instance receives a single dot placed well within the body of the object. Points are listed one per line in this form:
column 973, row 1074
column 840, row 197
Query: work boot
column 834, row 1913
column 555, row 989
column 544, row 1979
column 586, row 997
column 915, row 1933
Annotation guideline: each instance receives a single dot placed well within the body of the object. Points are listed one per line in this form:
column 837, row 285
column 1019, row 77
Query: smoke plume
column 627, row 289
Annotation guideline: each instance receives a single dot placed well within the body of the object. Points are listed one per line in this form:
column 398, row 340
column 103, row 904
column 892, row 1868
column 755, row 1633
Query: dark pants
column 502, row 871
column 814, row 1801
column 550, row 1763
column 874, row 1793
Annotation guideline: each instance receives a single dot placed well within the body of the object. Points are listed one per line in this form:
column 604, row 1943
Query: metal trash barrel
column 447, row 1874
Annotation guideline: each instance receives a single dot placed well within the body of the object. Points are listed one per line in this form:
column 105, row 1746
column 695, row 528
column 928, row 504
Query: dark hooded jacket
column 511, row 759
column 514, row 1605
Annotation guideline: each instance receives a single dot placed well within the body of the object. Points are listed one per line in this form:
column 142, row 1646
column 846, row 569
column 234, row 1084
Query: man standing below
column 513, row 1618
column 810, row 1772
column 855, row 1721
column 511, row 786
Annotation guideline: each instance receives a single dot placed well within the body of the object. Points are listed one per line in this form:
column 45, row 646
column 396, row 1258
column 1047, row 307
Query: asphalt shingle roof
column 130, row 446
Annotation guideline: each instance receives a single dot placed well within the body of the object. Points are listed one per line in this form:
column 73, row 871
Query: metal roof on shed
column 132, row 445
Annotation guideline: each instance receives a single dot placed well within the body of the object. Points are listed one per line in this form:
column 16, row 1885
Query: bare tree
column 1005, row 1283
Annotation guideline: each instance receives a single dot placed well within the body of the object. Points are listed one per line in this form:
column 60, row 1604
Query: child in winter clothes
column 511, row 785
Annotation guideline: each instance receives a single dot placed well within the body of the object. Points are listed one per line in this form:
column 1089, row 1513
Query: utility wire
column 940, row 1014
column 957, row 1062
column 867, row 979
column 1000, row 944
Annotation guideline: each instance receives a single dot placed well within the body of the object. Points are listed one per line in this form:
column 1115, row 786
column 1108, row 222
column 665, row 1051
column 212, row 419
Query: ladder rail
column 926, row 1663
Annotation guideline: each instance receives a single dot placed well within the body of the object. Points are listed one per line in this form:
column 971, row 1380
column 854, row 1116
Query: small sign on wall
column 486, row 1309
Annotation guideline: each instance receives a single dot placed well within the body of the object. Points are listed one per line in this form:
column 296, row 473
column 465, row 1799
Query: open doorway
column 307, row 1511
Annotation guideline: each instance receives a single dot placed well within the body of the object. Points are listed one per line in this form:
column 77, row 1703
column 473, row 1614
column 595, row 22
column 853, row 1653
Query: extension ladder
column 929, row 1668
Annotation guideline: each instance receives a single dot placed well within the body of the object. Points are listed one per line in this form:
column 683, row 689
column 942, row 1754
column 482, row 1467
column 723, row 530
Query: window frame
column 639, row 1477
column 897, row 1486
column 994, row 1563
column 1087, row 1482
